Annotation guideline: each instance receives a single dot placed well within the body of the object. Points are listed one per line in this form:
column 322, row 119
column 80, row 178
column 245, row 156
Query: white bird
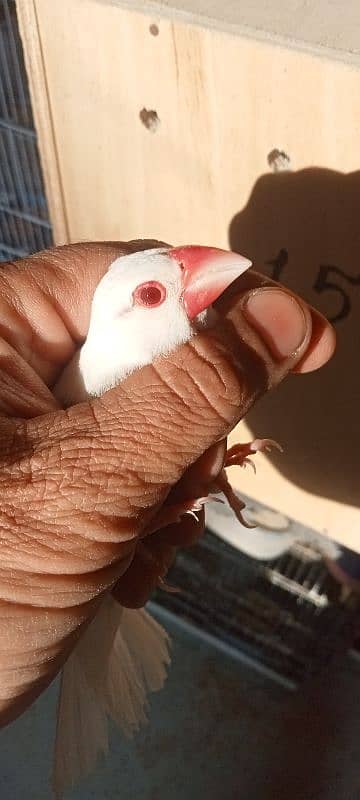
column 146, row 305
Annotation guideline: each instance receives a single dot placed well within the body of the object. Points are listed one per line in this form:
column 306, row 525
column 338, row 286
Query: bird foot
column 173, row 513
column 238, row 454
column 222, row 485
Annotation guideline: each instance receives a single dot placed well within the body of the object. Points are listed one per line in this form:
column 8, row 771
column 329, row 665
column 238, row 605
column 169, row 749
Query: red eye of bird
column 149, row 294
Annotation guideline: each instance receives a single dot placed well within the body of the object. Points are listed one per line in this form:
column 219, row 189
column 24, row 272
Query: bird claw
column 258, row 445
column 149, row 558
column 249, row 462
column 199, row 503
column 222, row 485
column 238, row 454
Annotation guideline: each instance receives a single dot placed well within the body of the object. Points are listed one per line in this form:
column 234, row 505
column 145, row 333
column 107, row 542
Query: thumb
column 79, row 486
column 104, row 467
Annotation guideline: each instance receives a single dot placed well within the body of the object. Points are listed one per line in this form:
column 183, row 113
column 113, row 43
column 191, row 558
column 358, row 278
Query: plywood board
column 29, row 31
column 329, row 28
column 200, row 167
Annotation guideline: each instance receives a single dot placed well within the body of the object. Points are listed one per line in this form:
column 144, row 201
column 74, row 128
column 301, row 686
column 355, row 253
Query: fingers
column 82, row 485
column 322, row 341
column 198, row 477
column 288, row 325
column 139, row 581
column 98, row 473
column 153, row 559
column 45, row 300
column 321, row 345
column 45, row 303
column 142, row 577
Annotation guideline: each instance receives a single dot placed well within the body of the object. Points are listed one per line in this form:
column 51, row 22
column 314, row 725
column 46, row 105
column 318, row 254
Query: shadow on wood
column 302, row 228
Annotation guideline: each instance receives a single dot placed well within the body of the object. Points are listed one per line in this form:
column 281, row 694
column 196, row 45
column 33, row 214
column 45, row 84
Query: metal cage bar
column 24, row 219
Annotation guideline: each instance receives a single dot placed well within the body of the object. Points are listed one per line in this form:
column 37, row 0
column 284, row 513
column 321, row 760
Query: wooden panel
column 223, row 104
column 29, row 31
column 198, row 169
column 327, row 27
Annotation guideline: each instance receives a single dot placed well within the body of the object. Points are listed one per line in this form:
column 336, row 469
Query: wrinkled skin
column 79, row 487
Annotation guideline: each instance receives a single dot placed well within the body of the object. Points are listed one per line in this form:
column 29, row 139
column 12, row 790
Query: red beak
column 206, row 273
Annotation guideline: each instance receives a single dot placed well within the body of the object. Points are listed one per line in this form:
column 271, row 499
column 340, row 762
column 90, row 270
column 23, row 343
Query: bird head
column 148, row 303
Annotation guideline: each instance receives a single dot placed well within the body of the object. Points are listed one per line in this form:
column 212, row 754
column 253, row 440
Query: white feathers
column 123, row 654
column 123, row 336
column 121, row 657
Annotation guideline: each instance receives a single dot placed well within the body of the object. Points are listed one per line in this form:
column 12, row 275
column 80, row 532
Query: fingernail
column 278, row 318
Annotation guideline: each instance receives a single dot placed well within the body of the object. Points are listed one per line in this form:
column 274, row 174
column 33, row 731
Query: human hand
column 79, row 487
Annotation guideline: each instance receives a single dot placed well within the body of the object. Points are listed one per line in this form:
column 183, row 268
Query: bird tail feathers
column 121, row 657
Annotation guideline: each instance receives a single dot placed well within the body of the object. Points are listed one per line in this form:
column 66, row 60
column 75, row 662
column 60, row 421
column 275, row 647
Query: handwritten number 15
column 326, row 281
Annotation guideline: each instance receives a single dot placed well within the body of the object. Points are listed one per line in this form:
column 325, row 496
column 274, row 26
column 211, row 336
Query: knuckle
column 63, row 500
column 204, row 384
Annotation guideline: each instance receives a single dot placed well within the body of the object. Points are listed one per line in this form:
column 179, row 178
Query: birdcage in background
column 286, row 615
column 24, row 221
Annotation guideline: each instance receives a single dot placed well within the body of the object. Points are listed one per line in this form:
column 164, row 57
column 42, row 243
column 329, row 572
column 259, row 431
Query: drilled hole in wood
column 154, row 30
column 150, row 119
column 278, row 160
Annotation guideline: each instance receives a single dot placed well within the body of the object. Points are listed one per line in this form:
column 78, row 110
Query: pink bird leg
column 237, row 455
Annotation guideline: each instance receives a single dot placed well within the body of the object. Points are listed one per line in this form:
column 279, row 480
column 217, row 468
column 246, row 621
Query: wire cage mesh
column 287, row 614
column 24, row 221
